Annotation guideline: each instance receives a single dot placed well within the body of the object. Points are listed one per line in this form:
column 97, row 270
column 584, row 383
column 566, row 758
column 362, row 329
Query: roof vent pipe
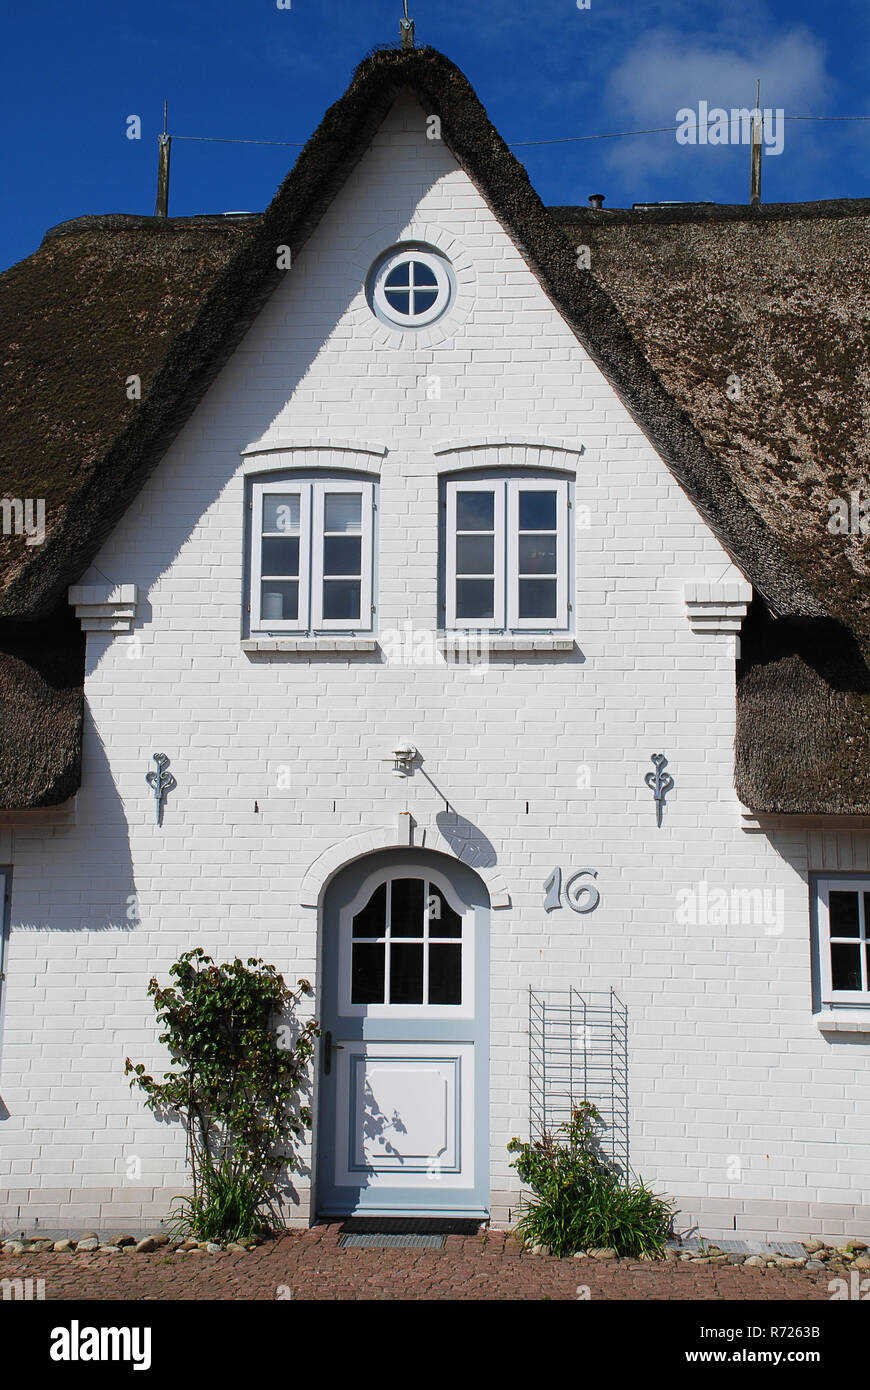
column 596, row 200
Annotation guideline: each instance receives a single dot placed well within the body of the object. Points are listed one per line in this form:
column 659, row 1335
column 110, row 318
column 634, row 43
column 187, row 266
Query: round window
column 410, row 287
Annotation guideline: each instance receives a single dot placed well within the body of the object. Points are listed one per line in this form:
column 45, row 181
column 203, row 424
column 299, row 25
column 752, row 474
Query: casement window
column 311, row 558
column 507, row 554
column 843, row 922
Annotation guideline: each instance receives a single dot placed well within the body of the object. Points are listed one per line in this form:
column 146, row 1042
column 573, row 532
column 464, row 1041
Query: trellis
column 578, row 1051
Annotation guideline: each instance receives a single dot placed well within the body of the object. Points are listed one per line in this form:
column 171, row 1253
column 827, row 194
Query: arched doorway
column 403, row 1087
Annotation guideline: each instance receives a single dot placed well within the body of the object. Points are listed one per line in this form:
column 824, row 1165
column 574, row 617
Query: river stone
column 62, row 1247
column 123, row 1240
column 814, row 1264
column 111, row 1250
column 812, row 1247
column 603, row 1252
column 212, row 1248
column 236, row 1248
column 90, row 1243
column 862, row 1262
column 160, row 1239
column 754, row 1261
column 859, row 1245
column 146, row 1246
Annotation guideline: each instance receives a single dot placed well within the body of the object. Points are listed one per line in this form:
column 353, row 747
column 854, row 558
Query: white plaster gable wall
column 723, row 1050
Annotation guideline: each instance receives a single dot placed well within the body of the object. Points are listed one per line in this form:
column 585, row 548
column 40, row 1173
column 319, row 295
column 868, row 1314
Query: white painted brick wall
column 724, row 1056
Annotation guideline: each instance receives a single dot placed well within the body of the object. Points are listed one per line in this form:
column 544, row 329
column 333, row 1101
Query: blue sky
column 73, row 73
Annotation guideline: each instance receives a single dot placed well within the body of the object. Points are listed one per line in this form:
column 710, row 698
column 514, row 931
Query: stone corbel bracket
column 104, row 607
column 717, row 608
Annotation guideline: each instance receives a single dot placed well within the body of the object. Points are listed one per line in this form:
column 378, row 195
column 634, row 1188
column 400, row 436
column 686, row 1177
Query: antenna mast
column 755, row 158
column 161, row 207
column 406, row 28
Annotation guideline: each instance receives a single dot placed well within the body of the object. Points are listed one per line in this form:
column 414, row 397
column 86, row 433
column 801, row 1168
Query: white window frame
column 366, row 492
column 824, row 886
column 506, row 617
column 401, row 255
column 312, row 492
column 261, row 491
column 496, row 486
column 514, row 487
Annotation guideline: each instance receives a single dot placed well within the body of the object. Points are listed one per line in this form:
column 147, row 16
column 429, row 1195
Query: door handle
column 328, row 1047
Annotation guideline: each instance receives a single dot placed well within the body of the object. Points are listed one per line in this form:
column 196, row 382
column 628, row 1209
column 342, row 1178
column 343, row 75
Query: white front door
column 404, row 1054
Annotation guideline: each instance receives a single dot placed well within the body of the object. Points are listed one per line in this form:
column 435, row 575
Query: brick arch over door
column 396, row 836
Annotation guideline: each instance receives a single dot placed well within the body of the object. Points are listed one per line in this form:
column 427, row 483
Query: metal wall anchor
column 161, row 781
column 659, row 783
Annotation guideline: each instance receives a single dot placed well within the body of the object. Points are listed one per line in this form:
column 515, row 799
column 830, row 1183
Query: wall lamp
column 403, row 755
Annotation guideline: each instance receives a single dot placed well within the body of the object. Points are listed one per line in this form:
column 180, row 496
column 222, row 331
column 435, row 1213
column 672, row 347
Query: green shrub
column 237, row 1087
column 579, row 1201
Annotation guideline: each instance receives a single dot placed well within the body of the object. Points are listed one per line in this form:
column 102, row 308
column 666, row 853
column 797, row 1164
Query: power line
column 228, row 140
column 514, row 144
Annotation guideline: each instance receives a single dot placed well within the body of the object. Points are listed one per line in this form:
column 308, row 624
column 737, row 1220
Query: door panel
column 403, row 1106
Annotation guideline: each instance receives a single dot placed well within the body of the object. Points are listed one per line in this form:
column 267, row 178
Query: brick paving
column 311, row 1265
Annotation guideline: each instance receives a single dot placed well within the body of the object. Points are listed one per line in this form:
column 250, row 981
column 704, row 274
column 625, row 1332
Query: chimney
column 596, row 200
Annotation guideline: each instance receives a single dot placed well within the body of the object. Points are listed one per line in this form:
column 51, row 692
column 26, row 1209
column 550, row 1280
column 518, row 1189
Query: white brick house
column 410, row 434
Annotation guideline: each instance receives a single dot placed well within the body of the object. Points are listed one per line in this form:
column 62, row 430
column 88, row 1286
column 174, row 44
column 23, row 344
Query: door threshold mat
column 389, row 1232
column 409, row 1240
column 407, row 1225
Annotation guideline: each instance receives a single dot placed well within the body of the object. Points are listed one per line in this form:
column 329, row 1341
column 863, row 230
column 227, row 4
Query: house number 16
column 584, row 898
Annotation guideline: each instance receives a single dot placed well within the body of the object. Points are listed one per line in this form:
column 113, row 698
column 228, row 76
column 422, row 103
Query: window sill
column 483, row 642
column 336, row 643
column 843, row 1021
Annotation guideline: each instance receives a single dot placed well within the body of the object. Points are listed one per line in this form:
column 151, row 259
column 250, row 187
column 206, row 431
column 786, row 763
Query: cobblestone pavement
column 311, row 1265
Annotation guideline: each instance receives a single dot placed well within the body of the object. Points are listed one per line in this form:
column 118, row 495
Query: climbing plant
column 240, row 1076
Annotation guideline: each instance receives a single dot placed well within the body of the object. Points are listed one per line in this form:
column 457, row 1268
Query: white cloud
column 665, row 71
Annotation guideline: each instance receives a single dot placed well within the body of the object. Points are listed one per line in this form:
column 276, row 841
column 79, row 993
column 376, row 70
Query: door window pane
column 443, row 921
column 406, row 973
column 367, row 973
column 406, row 911
column 445, row 974
column 372, row 919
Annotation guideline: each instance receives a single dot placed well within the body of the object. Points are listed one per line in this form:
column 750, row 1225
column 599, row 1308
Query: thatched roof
column 673, row 305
